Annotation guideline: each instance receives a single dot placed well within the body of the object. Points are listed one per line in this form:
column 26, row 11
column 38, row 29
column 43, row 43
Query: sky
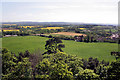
column 84, row 11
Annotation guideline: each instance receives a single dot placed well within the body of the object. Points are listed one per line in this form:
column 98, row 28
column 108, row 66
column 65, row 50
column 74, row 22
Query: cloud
column 94, row 11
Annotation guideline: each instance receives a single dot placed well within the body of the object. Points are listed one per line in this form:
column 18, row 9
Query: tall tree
column 54, row 45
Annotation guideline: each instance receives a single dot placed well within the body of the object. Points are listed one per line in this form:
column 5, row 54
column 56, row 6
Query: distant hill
column 55, row 23
column 40, row 23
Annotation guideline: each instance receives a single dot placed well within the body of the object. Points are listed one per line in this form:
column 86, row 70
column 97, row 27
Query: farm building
column 9, row 35
column 79, row 38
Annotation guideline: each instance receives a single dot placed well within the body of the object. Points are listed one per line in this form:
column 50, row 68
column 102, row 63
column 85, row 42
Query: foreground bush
column 114, row 71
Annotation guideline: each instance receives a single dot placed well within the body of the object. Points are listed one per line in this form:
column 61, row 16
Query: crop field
column 6, row 30
column 81, row 49
column 68, row 34
column 27, row 26
column 9, row 24
column 53, row 28
column 103, row 26
column 82, row 28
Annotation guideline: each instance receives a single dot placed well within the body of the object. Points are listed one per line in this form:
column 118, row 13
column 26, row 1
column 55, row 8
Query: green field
column 82, row 50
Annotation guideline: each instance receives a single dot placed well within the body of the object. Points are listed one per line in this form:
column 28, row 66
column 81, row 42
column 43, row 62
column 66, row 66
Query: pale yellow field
column 53, row 28
column 69, row 34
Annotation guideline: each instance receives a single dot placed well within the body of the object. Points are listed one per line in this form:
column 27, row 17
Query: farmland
column 82, row 28
column 68, row 34
column 81, row 49
column 27, row 26
column 9, row 24
column 53, row 28
column 8, row 30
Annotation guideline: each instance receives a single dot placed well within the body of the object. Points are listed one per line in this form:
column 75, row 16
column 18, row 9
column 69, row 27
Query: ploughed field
column 68, row 34
column 81, row 49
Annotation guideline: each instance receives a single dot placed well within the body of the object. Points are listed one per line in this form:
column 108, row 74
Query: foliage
column 50, row 70
column 59, row 66
column 87, row 74
column 52, row 66
column 114, row 71
column 99, row 68
column 54, row 45
column 90, row 63
column 8, row 62
column 12, row 68
column 101, row 71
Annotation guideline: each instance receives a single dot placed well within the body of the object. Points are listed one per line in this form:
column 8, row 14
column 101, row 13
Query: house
column 114, row 36
column 9, row 35
column 79, row 38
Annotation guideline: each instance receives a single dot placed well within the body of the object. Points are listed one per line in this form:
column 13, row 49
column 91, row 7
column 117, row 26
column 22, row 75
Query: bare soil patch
column 69, row 33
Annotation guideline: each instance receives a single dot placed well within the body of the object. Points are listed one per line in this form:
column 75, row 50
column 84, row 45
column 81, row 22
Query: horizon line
column 58, row 21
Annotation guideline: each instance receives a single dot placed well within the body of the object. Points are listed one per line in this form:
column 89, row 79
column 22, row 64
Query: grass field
column 82, row 50
column 112, row 30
